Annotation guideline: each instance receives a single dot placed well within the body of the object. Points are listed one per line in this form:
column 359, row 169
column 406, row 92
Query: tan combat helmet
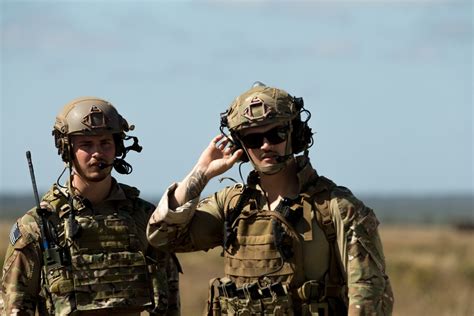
column 90, row 116
column 262, row 105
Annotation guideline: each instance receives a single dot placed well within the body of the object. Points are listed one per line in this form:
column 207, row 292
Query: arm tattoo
column 195, row 184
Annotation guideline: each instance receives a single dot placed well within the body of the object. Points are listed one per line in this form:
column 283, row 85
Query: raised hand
column 216, row 159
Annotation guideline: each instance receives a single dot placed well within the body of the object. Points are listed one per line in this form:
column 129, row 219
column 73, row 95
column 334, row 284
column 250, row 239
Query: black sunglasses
column 274, row 136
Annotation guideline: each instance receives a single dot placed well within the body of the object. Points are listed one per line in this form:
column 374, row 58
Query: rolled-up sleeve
column 166, row 224
column 196, row 225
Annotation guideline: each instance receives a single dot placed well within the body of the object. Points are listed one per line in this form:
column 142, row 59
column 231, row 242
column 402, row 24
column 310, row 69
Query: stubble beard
column 95, row 176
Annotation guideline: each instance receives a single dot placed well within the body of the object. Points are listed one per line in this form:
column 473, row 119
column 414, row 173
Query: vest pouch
column 277, row 306
column 229, row 305
column 59, row 281
column 240, row 306
column 60, row 288
column 111, row 279
column 262, row 304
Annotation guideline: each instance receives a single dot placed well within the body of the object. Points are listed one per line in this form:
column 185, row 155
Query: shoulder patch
column 15, row 234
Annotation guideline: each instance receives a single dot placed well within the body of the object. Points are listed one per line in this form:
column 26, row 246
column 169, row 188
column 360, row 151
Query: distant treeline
column 423, row 209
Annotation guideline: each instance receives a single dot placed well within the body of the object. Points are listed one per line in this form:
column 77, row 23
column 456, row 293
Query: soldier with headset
column 294, row 242
column 83, row 250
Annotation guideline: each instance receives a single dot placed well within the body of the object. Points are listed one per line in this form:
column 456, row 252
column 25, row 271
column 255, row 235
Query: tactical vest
column 263, row 254
column 259, row 246
column 106, row 265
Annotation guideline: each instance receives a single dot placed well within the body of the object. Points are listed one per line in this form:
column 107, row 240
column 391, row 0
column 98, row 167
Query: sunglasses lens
column 274, row 136
column 277, row 135
column 252, row 140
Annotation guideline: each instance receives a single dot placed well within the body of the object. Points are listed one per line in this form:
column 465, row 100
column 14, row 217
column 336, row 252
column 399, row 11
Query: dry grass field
column 431, row 268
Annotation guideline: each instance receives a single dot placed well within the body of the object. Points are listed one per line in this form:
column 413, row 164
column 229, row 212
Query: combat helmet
column 262, row 105
column 93, row 116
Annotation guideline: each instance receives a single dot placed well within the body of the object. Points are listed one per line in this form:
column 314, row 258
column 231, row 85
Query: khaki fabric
column 199, row 226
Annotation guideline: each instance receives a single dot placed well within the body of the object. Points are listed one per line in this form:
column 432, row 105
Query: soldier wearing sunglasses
column 294, row 242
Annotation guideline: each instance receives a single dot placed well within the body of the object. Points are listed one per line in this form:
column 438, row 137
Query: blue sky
column 388, row 83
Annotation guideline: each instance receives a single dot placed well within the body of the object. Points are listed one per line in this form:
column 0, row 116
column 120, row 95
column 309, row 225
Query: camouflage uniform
column 115, row 228
column 304, row 247
column 199, row 226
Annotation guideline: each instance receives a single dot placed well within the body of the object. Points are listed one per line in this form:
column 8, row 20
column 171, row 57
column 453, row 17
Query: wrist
column 195, row 182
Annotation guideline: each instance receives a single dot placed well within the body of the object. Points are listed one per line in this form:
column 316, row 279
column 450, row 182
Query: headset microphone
column 283, row 158
column 103, row 165
column 120, row 165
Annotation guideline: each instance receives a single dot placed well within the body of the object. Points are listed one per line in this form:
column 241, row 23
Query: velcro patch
column 15, row 234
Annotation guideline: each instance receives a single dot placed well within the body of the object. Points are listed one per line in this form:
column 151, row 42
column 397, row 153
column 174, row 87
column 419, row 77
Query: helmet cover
column 261, row 105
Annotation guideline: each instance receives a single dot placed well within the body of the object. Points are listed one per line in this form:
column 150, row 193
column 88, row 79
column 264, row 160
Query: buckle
column 227, row 289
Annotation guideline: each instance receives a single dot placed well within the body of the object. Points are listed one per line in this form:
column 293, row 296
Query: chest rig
column 263, row 252
column 106, row 264
column 261, row 243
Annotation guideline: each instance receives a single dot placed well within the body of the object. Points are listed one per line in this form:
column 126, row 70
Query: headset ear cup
column 119, row 145
column 66, row 150
column 301, row 136
column 296, row 136
column 306, row 137
column 61, row 143
column 244, row 157
column 236, row 145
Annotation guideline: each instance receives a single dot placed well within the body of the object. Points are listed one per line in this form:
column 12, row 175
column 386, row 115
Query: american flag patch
column 15, row 234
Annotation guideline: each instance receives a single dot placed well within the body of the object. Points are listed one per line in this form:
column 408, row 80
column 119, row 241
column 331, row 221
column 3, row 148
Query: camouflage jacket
column 25, row 290
column 198, row 225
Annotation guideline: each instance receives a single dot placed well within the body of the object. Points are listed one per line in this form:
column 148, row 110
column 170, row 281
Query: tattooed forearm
column 195, row 184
